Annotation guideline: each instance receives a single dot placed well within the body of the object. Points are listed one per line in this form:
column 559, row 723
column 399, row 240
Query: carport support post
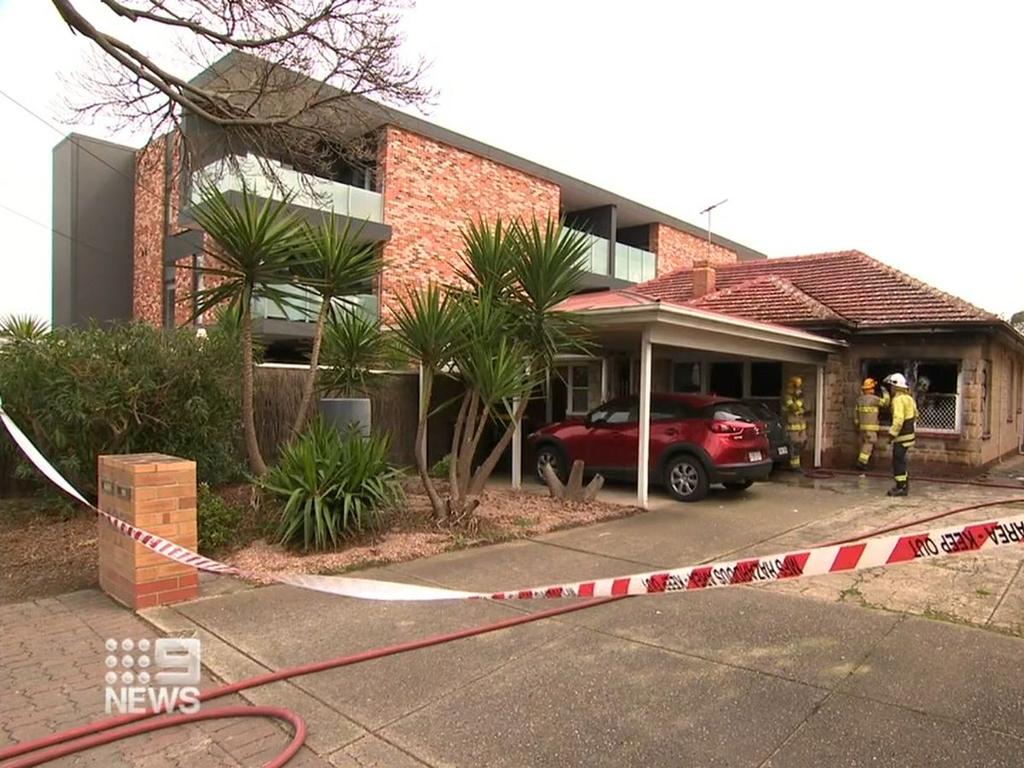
column 819, row 414
column 604, row 380
column 644, row 431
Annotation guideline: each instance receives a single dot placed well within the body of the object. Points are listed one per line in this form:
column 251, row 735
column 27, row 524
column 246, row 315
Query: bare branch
column 294, row 85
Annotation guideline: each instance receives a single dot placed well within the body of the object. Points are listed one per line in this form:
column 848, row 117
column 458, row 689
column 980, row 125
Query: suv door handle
column 671, row 431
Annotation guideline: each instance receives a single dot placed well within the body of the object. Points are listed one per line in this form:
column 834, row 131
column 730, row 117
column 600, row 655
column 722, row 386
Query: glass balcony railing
column 631, row 263
column 634, row 264
column 304, row 306
column 308, row 191
column 595, row 259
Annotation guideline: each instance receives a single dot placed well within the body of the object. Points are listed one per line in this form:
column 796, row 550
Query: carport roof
column 628, row 312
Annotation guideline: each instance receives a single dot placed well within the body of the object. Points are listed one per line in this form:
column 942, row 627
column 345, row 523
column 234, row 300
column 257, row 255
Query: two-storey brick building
column 717, row 316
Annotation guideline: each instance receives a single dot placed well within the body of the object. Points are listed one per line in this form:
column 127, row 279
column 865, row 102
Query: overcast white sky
column 895, row 128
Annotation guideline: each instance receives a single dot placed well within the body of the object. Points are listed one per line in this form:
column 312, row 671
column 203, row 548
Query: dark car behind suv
column 696, row 440
column 778, row 437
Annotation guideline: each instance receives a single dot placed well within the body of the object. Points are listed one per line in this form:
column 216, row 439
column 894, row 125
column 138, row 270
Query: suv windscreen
column 730, row 412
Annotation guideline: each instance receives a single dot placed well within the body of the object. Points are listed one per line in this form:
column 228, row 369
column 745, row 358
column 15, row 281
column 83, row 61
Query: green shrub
column 79, row 393
column 332, row 485
column 218, row 521
column 440, row 469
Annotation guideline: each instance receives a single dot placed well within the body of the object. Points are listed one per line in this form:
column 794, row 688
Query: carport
column 626, row 323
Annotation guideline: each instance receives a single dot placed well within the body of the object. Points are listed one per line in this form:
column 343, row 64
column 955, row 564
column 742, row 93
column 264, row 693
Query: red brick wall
column 676, row 249
column 152, row 184
column 147, row 269
column 431, row 190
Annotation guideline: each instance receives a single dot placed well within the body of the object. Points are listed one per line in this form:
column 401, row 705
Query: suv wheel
column 686, row 478
column 552, row 456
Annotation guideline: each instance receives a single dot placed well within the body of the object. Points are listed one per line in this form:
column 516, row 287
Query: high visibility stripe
column 864, row 457
column 900, row 478
column 797, row 427
column 907, row 440
column 867, row 408
column 868, row 427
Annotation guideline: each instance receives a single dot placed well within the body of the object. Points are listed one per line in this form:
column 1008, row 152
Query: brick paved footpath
column 51, row 678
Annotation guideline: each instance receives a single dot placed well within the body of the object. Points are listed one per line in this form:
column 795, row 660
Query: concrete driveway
column 817, row 672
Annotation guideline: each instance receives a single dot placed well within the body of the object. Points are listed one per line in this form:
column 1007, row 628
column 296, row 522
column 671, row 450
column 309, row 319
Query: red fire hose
column 115, row 728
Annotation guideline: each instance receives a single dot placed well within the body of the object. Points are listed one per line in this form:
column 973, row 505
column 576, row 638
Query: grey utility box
column 343, row 412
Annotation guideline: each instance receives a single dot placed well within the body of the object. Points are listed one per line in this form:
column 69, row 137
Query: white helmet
column 896, row 380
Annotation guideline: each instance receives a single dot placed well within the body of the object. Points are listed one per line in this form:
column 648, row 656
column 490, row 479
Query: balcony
column 296, row 320
column 634, row 264
column 311, row 192
column 595, row 259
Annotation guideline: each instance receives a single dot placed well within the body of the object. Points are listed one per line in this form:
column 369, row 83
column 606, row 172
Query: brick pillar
column 158, row 494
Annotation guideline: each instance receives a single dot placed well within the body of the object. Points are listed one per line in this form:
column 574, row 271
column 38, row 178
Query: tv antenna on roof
column 708, row 211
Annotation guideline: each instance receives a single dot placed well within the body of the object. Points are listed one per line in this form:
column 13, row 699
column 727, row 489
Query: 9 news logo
column 152, row 674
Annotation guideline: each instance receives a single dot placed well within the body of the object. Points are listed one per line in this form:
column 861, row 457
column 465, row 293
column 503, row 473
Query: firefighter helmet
column 796, row 383
column 896, row 380
column 869, row 385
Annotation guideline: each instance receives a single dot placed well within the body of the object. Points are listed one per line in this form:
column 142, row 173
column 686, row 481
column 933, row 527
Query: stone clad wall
column 430, row 191
column 968, row 451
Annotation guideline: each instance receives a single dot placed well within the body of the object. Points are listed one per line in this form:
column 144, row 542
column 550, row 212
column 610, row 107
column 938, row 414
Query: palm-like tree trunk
column 309, row 386
column 421, row 447
column 485, row 470
column 252, row 446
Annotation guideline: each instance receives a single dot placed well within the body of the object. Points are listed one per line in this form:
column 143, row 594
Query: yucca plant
column 332, row 485
column 497, row 332
column 338, row 263
column 23, row 328
column 353, row 347
column 257, row 245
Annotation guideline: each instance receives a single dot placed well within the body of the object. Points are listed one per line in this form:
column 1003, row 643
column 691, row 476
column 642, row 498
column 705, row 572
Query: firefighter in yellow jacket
column 904, row 419
column 796, row 420
column 865, row 418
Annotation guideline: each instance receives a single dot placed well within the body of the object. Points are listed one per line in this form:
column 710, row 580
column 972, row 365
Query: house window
column 726, row 379
column 686, row 377
column 766, row 380
column 935, row 385
column 578, row 393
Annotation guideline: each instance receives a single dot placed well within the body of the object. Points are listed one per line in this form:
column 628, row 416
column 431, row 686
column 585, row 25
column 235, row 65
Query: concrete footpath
column 886, row 672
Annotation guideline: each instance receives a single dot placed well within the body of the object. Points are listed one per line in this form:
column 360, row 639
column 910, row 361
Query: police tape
column 798, row 563
column 817, row 561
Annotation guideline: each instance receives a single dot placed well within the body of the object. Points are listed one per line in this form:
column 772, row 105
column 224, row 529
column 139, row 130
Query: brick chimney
column 703, row 279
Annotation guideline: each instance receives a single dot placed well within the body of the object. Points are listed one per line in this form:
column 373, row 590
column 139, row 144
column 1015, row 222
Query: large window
column 935, row 386
column 726, row 379
column 686, row 377
column 578, row 382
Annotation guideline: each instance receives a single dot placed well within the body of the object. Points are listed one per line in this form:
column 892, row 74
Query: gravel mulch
column 502, row 515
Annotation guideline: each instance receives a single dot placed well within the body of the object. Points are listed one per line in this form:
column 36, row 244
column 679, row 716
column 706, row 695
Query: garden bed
column 47, row 548
column 410, row 534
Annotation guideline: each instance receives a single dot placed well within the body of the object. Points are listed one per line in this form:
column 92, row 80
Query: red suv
column 696, row 440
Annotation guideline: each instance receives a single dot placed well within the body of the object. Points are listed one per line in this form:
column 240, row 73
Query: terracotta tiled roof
column 624, row 297
column 769, row 299
column 846, row 285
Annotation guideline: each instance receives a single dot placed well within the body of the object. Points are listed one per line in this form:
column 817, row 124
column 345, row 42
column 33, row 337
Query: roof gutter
column 674, row 314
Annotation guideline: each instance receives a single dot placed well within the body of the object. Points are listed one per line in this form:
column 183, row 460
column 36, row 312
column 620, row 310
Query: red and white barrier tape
column 868, row 553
